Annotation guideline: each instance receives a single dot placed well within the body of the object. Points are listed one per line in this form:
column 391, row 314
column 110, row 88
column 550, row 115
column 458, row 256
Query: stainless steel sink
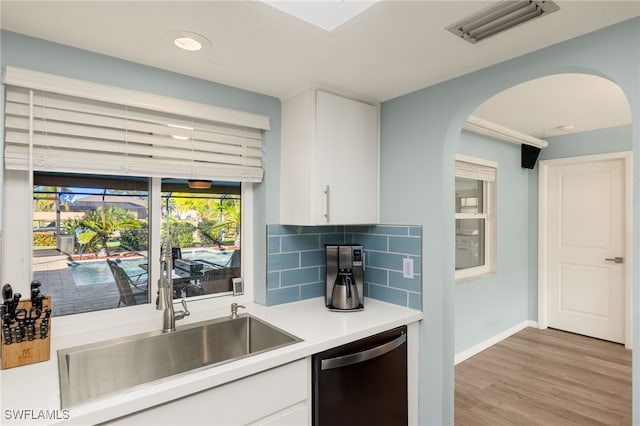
column 92, row 371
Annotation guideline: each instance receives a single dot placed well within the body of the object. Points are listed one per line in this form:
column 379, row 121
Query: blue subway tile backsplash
column 296, row 261
column 408, row 245
column 299, row 276
column 282, row 261
column 299, row 242
column 279, row 296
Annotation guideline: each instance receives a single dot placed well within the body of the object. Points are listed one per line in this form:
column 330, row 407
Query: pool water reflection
column 218, row 257
column 97, row 271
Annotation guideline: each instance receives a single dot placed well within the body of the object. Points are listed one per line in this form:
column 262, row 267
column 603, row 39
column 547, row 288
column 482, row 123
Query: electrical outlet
column 238, row 286
column 407, row 268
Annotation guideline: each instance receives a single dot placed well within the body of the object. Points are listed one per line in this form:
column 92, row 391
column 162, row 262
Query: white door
column 585, row 246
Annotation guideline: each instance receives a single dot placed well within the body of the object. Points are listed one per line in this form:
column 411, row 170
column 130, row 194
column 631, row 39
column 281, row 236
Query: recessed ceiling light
column 555, row 131
column 187, row 40
column 328, row 14
column 187, row 43
column 565, row 127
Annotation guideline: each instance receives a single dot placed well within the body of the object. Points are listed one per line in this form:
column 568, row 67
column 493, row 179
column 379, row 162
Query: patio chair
column 234, row 260
column 131, row 293
column 218, row 279
column 176, row 253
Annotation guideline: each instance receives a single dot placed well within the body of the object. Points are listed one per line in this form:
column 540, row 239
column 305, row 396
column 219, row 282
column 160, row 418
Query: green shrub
column 209, row 232
column 181, row 233
column 134, row 239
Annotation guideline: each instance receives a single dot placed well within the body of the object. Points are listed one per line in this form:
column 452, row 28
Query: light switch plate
column 407, row 268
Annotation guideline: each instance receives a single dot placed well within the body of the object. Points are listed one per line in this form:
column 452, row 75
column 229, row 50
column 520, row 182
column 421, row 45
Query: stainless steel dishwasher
column 362, row 383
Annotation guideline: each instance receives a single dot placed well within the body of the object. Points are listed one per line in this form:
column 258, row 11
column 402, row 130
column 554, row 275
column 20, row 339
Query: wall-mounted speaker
column 529, row 156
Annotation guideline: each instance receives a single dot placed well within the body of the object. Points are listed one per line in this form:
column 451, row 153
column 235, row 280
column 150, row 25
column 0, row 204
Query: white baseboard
column 476, row 349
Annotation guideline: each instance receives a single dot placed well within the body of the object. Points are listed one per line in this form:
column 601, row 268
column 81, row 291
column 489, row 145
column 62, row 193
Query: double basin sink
column 95, row 370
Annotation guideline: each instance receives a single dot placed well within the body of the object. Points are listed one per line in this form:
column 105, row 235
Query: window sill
column 475, row 277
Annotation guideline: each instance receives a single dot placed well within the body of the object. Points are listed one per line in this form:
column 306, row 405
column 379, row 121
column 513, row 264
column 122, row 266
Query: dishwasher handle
column 345, row 360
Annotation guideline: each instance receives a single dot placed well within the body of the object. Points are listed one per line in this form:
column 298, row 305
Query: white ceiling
column 390, row 49
column 539, row 107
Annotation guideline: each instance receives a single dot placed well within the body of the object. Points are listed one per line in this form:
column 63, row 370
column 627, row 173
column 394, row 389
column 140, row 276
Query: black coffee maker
column 344, row 277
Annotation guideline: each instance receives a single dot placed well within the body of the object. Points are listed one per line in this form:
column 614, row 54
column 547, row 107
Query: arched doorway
column 490, row 308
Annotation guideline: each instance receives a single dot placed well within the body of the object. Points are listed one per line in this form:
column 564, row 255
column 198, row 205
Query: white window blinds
column 475, row 171
column 62, row 132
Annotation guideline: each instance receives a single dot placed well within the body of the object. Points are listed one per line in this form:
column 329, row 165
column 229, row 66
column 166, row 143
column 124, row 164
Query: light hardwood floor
column 545, row 377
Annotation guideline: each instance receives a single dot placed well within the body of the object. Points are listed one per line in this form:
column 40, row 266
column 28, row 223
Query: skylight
column 327, row 14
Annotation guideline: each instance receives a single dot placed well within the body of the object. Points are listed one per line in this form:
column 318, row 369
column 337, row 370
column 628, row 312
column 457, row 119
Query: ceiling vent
column 500, row 17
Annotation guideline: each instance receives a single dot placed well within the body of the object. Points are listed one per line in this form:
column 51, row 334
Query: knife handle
column 39, row 301
column 35, row 285
column 31, row 330
column 7, row 292
column 44, row 328
column 6, row 331
column 19, row 334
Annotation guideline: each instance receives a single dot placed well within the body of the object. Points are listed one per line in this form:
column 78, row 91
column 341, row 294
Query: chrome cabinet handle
column 346, row 360
column 614, row 259
column 327, row 205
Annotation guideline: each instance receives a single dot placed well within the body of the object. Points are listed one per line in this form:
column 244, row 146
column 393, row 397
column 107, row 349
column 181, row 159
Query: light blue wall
column 39, row 55
column 487, row 306
column 613, row 139
column 419, row 138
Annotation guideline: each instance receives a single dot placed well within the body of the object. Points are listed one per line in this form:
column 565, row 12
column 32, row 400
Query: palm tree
column 231, row 209
column 106, row 221
column 45, row 197
column 83, row 235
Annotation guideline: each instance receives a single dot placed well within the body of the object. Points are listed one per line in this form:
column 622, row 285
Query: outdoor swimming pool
column 98, row 272
column 218, row 257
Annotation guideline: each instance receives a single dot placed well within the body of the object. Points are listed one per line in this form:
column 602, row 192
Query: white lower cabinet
column 297, row 415
column 279, row 396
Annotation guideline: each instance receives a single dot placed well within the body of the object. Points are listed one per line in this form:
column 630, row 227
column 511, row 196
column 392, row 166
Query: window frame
column 16, row 264
column 154, row 214
column 489, row 214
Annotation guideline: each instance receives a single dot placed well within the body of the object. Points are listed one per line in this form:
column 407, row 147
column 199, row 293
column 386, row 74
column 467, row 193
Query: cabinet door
column 236, row 403
column 297, row 415
column 297, row 160
column 348, row 166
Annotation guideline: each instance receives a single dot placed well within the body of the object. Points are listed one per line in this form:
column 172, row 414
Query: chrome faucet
column 165, row 291
column 234, row 310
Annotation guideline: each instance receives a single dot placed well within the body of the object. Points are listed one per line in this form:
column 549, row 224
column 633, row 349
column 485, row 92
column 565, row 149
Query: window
column 204, row 228
column 91, row 239
column 89, row 169
column 475, row 217
column 92, row 225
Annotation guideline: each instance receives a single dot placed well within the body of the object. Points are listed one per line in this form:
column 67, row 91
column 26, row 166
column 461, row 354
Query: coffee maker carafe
column 344, row 277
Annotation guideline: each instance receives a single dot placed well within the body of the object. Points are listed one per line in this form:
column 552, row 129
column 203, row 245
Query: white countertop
column 35, row 387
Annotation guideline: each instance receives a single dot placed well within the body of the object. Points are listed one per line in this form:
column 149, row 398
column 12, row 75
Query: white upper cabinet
column 329, row 168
